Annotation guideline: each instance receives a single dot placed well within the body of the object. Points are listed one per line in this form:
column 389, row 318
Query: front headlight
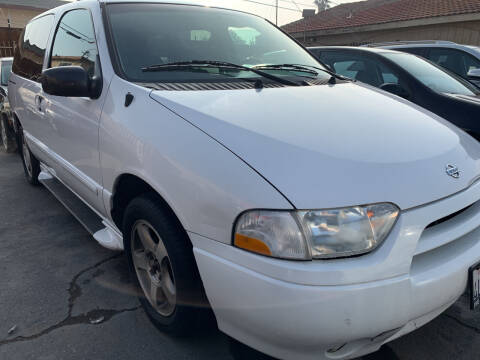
column 315, row 234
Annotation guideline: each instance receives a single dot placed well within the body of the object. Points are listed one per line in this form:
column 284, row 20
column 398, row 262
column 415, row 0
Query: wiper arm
column 217, row 64
column 331, row 73
column 293, row 67
column 306, row 68
column 189, row 64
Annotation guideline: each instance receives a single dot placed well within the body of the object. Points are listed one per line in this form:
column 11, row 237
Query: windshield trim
column 113, row 48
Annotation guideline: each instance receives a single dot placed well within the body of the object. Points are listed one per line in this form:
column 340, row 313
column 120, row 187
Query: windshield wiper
column 216, row 64
column 293, row 67
column 333, row 74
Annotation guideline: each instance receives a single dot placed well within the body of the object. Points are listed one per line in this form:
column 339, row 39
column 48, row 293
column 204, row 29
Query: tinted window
column 456, row 61
column 349, row 68
column 359, row 67
column 388, row 75
column 316, row 52
column 6, row 70
column 28, row 61
column 74, row 43
column 151, row 34
column 471, row 62
column 430, row 75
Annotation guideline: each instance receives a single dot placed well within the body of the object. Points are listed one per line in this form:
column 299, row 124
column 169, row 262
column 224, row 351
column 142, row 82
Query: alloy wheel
column 153, row 268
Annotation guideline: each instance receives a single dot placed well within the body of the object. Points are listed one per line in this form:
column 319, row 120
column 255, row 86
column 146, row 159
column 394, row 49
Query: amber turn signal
column 252, row 244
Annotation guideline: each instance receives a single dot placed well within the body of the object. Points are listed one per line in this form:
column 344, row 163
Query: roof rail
column 413, row 42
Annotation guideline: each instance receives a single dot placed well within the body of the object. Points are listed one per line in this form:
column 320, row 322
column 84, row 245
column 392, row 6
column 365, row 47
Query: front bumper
column 345, row 308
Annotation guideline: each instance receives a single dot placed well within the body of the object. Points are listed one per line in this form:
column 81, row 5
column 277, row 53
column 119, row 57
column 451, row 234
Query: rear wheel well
column 129, row 187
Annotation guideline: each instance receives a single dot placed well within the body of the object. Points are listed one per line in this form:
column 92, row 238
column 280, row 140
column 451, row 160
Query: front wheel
column 161, row 261
column 31, row 165
column 8, row 139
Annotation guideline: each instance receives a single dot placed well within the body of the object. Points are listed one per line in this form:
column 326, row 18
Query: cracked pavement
column 72, row 299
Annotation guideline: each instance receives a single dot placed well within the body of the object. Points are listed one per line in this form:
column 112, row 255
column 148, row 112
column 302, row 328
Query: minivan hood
column 334, row 146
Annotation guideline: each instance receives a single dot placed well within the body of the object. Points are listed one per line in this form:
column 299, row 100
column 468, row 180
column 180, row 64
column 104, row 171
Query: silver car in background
column 463, row 60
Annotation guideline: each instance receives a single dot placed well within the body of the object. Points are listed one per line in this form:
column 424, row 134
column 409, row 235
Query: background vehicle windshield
column 6, row 70
column 431, row 76
column 151, row 34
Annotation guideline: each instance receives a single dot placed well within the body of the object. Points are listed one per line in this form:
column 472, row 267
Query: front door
column 27, row 93
column 74, row 121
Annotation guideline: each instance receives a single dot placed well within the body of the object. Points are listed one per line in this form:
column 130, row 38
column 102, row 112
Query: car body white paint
column 214, row 154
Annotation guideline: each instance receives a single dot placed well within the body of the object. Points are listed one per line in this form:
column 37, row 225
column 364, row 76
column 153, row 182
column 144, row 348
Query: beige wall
column 18, row 17
column 467, row 32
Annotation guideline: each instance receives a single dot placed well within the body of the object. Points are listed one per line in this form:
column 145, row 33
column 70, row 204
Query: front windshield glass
column 6, row 70
column 431, row 76
column 153, row 34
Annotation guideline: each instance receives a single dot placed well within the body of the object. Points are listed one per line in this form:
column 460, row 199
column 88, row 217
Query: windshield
column 430, row 75
column 6, row 70
column 154, row 34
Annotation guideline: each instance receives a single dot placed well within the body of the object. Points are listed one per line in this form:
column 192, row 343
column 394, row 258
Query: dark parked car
column 411, row 77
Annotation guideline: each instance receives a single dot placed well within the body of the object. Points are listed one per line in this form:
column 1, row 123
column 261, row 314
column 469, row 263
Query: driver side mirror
column 474, row 74
column 69, row 81
column 396, row 90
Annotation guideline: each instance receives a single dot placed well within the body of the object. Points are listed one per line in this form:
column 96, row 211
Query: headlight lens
column 317, row 234
column 272, row 233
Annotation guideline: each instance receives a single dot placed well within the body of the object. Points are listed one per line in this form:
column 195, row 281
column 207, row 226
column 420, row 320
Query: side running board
column 101, row 231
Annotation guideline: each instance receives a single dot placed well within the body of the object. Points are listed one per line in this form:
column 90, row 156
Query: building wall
column 467, row 32
column 19, row 17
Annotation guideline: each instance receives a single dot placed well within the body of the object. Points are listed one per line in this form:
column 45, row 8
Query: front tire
column 31, row 165
column 7, row 136
column 162, row 264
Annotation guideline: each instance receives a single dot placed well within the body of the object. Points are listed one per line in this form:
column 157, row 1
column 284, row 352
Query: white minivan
column 319, row 218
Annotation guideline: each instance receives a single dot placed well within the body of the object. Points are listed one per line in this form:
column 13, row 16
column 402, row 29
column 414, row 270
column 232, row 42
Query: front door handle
column 39, row 100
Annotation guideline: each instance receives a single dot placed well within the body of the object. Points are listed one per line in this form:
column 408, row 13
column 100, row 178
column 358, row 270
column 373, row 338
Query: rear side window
column 74, row 43
column 28, row 61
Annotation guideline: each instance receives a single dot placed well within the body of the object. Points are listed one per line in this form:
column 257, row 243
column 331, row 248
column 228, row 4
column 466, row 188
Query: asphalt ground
column 65, row 297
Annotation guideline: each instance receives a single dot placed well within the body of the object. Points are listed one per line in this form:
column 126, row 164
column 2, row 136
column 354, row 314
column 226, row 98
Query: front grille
column 448, row 217
column 449, row 229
